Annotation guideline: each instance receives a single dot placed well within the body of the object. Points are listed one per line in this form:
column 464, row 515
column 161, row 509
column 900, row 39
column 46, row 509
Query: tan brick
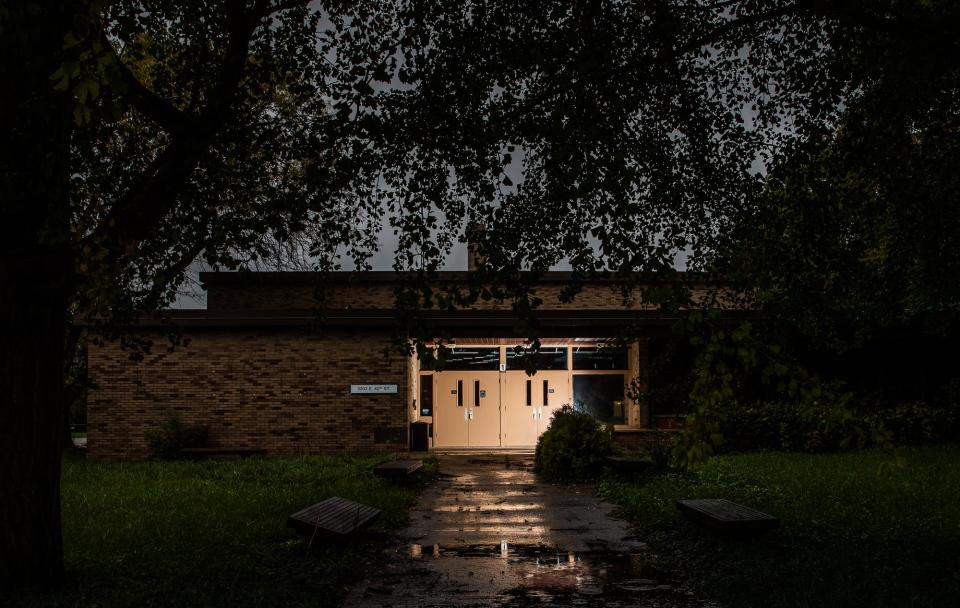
column 283, row 390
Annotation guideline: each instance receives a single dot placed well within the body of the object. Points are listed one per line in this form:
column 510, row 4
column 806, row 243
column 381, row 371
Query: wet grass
column 158, row 534
column 849, row 536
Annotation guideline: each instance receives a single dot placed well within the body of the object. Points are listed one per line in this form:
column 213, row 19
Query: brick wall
column 641, row 440
column 283, row 390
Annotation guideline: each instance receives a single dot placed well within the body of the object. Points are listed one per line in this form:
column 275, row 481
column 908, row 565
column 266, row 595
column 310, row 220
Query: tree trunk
column 31, row 378
column 74, row 385
column 35, row 283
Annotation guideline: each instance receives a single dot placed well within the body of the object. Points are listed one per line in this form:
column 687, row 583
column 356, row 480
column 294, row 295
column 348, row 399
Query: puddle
column 537, row 572
column 490, row 534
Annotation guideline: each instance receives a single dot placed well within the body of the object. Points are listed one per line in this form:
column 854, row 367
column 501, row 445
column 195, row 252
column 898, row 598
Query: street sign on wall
column 373, row 389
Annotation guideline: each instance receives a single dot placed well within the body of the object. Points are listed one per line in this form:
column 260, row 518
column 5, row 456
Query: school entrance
column 485, row 398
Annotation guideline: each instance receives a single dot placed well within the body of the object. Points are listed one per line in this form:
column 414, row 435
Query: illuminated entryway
column 484, row 398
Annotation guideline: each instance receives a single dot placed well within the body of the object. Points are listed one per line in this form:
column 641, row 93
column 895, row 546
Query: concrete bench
column 727, row 517
column 332, row 519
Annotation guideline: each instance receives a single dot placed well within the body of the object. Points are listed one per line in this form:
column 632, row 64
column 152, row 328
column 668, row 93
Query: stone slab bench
column 215, row 452
column 727, row 517
column 397, row 469
column 332, row 519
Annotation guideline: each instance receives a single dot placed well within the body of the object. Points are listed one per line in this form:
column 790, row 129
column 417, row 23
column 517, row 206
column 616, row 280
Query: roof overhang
column 292, row 278
column 462, row 323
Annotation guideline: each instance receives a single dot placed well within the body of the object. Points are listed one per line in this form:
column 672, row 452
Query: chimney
column 473, row 232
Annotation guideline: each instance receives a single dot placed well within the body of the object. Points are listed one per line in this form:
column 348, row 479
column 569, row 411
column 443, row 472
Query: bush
column 573, row 448
column 173, row 435
column 787, row 427
column 917, row 423
column 660, row 453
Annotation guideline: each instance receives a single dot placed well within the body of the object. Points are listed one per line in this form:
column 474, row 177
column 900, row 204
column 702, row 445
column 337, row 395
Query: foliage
column 660, row 453
column 216, row 532
column 573, row 448
column 727, row 358
column 848, row 538
column 855, row 227
column 918, row 423
column 788, row 426
column 173, row 435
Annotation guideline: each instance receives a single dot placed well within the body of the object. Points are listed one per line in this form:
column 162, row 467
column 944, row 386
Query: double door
column 529, row 403
column 467, row 409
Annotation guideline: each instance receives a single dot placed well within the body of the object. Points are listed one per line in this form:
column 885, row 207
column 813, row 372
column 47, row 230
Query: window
column 600, row 395
column 599, row 358
column 469, row 358
column 549, row 357
column 426, row 395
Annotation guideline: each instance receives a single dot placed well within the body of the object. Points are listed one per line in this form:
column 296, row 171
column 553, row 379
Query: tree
column 138, row 136
column 143, row 135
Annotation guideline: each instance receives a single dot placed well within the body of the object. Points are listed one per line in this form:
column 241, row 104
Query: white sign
column 373, row 389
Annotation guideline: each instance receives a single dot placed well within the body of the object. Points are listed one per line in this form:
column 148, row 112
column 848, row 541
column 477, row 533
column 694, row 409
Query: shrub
column 573, row 448
column 917, row 423
column 660, row 453
column 173, row 435
column 786, row 426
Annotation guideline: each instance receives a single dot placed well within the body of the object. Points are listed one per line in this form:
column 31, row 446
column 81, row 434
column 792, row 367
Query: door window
column 466, row 358
column 426, row 395
column 548, row 358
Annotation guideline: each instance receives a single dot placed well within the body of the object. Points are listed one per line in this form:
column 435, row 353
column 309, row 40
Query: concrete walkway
column 487, row 533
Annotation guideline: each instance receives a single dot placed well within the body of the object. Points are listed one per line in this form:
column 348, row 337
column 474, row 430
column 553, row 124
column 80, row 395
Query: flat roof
column 244, row 277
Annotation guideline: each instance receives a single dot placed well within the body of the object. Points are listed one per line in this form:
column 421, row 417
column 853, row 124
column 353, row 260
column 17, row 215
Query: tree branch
column 240, row 27
column 740, row 23
column 265, row 8
column 151, row 105
column 913, row 30
column 156, row 190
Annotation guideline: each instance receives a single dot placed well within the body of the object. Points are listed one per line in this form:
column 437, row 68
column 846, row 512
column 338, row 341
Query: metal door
column 520, row 409
column 450, row 410
column 554, row 391
column 484, row 409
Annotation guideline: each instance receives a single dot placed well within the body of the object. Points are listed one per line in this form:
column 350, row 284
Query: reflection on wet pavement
column 488, row 534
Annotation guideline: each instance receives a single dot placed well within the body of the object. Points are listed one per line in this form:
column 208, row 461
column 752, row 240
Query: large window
column 599, row 358
column 600, row 395
column 461, row 358
column 549, row 357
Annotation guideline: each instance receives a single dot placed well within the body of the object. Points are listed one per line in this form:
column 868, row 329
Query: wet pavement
column 487, row 533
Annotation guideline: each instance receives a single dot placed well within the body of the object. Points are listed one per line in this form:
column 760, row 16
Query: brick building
column 261, row 370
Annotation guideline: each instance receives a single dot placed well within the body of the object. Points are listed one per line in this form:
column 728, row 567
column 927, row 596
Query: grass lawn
column 212, row 533
column 848, row 536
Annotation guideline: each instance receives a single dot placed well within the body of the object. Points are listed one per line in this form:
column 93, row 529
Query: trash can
column 419, row 436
